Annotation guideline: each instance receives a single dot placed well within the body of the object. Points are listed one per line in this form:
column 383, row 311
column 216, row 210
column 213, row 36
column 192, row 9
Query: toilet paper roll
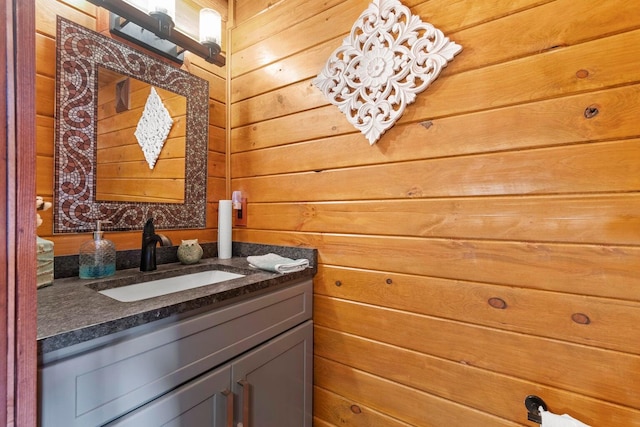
column 550, row 419
column 224, row 229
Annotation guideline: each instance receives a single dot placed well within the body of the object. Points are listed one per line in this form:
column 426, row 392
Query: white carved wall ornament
column 153, row 128
column 389, row 57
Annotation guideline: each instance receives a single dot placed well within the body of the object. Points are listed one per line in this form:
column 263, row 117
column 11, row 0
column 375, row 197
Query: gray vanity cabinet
column 269, row 386
column 274, row 384
column 185, row 371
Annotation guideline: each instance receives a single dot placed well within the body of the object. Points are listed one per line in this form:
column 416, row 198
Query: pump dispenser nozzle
column 98, row 234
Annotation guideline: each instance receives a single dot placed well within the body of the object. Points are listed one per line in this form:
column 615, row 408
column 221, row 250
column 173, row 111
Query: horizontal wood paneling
column 594, row 270
column 45, row 94
column 529, row 218
column 260, row 19
column 163, row 190
column 337, row 410
column 494, row 86
column 44, row 135
column 44, row 187
column 598, row 373
column 334, row 19
column 510, row 128
column 285, row 71
column 510, row 192
column 591, row 168
column 457, row 15
column 529, row 311
column 174, row 147
column 468, row 13
column 69, row 243
column 311, row 57
column 217, row 139
column 216, row 190
column 81, row 5
column 216, row 164
column 441, row 377
column 46, row 49
column 217, row 113
column 247, row 8
column 48, row 10
column 401, row 402
column 290, row 99
column 560, row 29
column 288, row 40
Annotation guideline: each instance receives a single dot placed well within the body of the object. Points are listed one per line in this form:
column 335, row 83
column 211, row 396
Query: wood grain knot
column 580, row 318
column 338, row 283
column 591, row 111
column 389, row 281
column 356, row 409
column 582, row 74
column 414, row 192
column 498, row 303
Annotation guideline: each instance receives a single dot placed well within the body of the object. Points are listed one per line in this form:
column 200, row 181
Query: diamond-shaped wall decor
column 153, row 128
column 388, row 58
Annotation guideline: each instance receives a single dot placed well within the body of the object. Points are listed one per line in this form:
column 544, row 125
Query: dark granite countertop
column 70, row 311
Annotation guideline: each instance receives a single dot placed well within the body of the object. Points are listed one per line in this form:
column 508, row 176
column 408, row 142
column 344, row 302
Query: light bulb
column 168, row 7
column 210, row 26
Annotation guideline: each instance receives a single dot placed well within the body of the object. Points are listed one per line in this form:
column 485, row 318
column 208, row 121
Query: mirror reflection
column 122, row 172
column 100, row 170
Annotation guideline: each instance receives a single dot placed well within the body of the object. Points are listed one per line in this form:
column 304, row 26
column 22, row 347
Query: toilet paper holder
column 533, row 403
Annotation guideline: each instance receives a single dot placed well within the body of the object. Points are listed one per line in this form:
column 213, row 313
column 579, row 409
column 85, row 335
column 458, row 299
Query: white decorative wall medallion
column 389, row 57
column 153, row 128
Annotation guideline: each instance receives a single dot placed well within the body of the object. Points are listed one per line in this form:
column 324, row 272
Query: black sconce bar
column 156, row 32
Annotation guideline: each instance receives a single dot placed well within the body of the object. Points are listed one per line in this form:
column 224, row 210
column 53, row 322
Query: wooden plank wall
column 84, row 13
column 488, row 246
column 122, row 172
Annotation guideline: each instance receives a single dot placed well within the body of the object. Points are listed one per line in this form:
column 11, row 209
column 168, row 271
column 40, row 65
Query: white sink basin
column 155, row 288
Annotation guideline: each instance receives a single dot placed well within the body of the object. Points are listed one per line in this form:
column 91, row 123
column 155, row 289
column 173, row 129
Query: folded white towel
column 277, row 263
column 565, row 420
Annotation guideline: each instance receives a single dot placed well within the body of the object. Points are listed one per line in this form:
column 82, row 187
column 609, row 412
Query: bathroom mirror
column 81, row 54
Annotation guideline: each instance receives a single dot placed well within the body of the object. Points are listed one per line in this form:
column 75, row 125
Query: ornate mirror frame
column 80, row 52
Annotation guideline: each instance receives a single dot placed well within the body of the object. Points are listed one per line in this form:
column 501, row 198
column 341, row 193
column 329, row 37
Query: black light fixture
column 156, row 30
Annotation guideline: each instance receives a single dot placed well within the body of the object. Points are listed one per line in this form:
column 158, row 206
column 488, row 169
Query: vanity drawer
column 98, row 385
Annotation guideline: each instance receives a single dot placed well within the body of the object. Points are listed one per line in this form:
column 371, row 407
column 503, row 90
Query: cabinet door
column 273, row 383
column 204, row 402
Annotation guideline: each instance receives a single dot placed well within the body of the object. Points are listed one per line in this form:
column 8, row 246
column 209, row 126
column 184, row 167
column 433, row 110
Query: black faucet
column 148, row 251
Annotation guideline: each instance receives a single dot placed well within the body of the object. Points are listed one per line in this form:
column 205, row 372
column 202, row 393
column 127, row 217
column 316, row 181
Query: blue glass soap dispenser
column 97, row 256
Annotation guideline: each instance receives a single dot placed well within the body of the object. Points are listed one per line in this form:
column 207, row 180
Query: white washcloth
column 277, row 263
column 552, row 420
